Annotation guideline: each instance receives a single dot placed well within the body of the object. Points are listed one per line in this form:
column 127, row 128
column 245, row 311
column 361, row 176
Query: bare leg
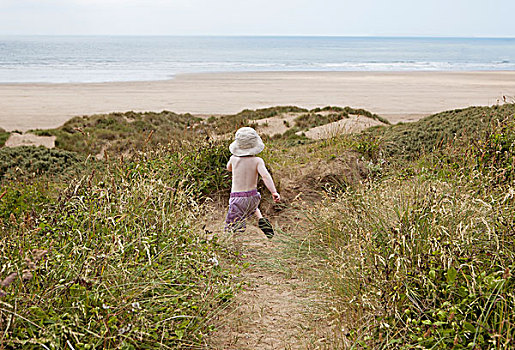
column 258, row 213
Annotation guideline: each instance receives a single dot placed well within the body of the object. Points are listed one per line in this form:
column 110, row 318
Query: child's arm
column 267, row 179
column 229, row 165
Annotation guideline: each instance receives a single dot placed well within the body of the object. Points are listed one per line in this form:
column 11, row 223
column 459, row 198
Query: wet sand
column 398, row 96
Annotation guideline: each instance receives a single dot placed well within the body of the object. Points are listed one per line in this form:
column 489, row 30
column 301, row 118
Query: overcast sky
column 484, row 18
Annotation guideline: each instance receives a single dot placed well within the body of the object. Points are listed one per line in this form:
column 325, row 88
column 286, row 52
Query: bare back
column 244, row 173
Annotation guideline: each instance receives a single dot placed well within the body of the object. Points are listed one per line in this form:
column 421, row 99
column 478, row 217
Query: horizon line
column 264, row 36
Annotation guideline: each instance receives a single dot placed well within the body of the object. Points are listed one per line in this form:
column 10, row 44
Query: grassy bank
column 411, row 140
column 121, row 133
column 422, row 257
column 409, row 229
column 116, row 257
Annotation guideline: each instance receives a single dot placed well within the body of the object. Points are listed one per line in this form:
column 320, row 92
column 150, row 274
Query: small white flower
column 135, row 306
column 213, row 261
column 105, row 307
column 125, row 329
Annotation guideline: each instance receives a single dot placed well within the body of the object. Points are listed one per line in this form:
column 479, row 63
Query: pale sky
column 470, row 18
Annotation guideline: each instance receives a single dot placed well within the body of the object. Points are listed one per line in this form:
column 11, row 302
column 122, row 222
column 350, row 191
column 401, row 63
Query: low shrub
column 121, row 133
column 29, row 161
column 4, row 135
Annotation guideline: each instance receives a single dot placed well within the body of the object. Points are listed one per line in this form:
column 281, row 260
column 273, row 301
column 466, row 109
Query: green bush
column 34, row 161
column 119, row 133
column 410, row 140
column 4, row 135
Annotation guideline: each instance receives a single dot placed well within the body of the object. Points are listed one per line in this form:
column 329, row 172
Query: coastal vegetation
column 4, row 135
column 230, row 123
column 119, row 133
column 414, row 139
column 422, row 256
column 114, row 257
column 27, row 161
column 407, row 229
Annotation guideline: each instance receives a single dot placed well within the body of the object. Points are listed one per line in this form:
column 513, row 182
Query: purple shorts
column 241, row 206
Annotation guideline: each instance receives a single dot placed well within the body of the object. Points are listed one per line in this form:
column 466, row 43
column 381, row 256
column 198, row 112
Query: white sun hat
column 247, row 143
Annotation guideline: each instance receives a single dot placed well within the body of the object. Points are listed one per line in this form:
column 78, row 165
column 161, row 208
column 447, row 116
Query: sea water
column 56, row 59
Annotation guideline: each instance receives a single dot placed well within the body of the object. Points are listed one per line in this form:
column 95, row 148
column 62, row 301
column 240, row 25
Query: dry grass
column 128, row 264
column 399, row 254
column 424, row 257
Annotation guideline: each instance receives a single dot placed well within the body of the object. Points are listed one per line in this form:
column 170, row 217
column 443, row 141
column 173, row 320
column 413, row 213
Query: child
column 245, row 167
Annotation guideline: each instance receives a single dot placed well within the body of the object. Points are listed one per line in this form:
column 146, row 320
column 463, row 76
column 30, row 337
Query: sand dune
column 352, row 124
column 29, row 139
column 397, row 96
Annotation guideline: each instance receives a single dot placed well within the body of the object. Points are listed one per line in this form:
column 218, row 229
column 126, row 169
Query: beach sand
column 398, row 96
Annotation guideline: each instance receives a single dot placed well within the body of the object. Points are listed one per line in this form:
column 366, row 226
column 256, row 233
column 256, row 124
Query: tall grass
column 116, row 259
column 424, row 257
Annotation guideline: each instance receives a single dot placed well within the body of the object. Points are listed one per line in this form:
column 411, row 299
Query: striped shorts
column 241, row 206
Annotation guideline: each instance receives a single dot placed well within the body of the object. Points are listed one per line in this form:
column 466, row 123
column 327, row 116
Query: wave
column 71, row 73
column 103, row 59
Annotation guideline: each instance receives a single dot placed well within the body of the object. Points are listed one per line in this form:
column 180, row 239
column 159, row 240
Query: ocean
column 59, row 59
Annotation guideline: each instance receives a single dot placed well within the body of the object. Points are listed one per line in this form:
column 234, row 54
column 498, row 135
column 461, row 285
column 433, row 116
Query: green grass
column 126, row 262
column 4, row 135
column 121, row 133
column 422, row 257
column 413, row 139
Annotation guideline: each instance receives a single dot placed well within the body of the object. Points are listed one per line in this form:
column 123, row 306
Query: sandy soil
column 282, row 304
column 349, row 125
column 396, row 95
column 28, row 139
column 276, row 125
column 277, row 308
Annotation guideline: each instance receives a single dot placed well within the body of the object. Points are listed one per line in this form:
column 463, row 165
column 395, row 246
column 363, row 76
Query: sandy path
column 396, row 95
column 276, row 308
